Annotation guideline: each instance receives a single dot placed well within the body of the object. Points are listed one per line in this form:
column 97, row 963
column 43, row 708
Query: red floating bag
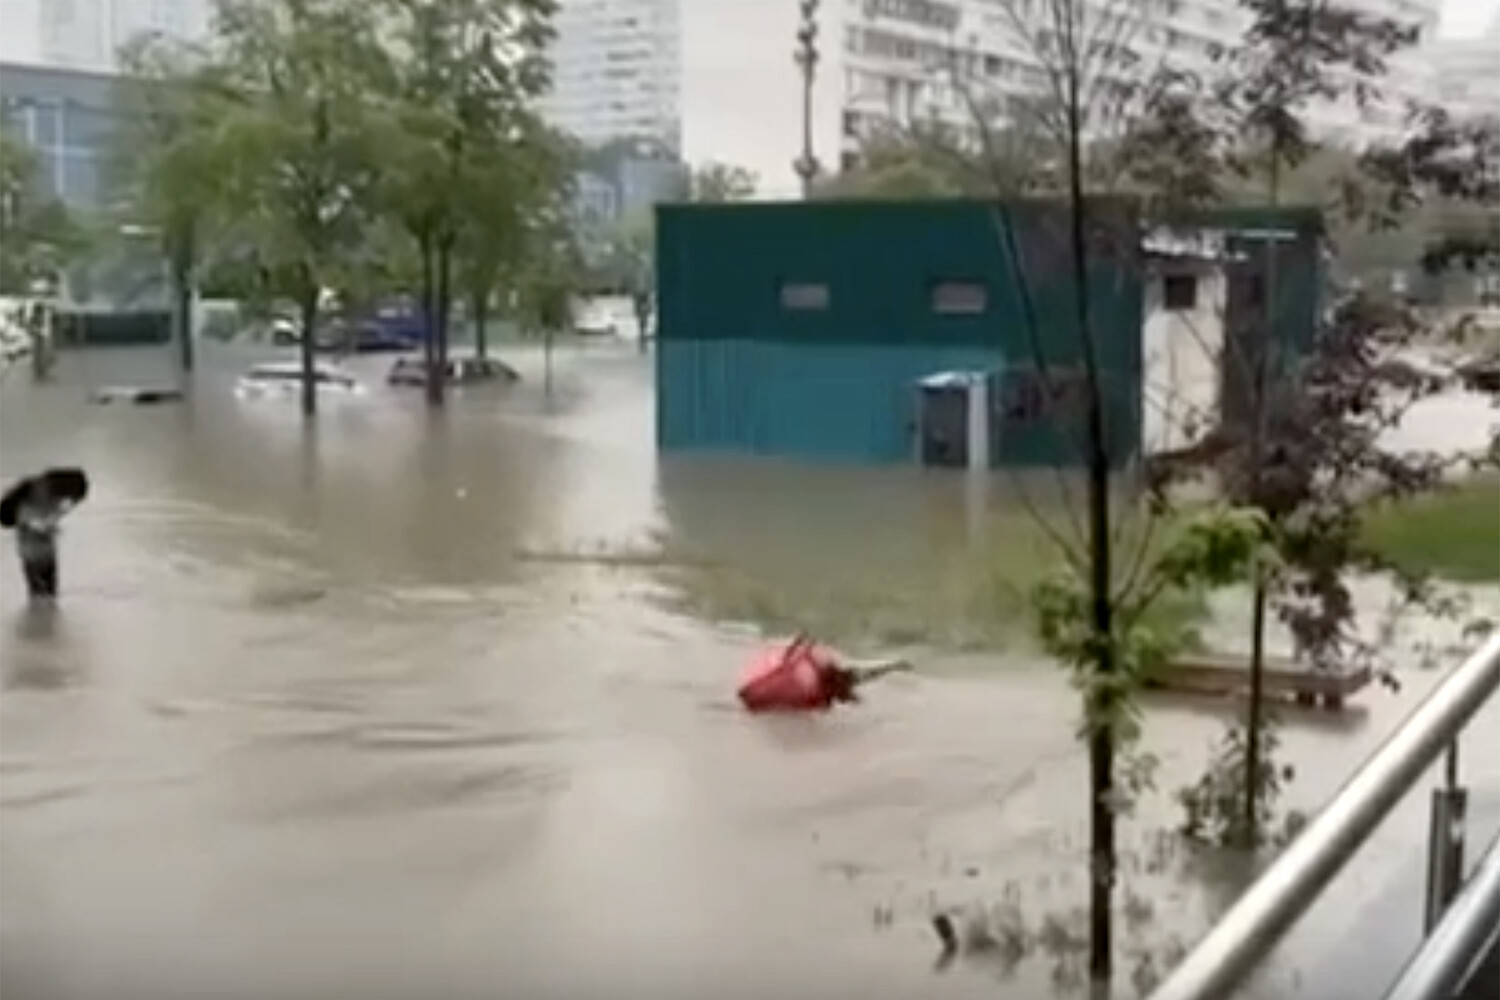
column 796, row 676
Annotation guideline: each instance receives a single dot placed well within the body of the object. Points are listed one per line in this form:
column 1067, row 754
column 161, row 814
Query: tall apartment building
column 617, row 72
column 1410, row 79
column 87, row 35
column 716, row 78
column 58, row 60
column 1468, row 73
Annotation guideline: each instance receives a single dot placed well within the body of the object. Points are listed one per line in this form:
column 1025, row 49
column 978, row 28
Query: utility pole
column 806, row 56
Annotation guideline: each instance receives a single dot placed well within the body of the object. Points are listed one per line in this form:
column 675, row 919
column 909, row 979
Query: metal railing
column 1467, row 929
column 1271, row 906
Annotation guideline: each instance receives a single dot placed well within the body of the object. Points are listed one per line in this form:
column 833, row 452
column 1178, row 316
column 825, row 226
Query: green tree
column 1449, row 171
column 38, row 236
column 464, row 76
column 931, row 158
column 545, row 281
column 720, row 182
column 1295, row 52
column 169, row 174
column 506, row 196
column 1093, row 617
column 632, row 266
column 1106, row 124
column 296, row 139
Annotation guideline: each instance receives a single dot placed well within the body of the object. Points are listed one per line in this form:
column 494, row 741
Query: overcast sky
column 1468, row 17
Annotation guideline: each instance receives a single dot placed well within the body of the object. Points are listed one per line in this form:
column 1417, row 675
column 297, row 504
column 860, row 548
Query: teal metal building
column 805, row 330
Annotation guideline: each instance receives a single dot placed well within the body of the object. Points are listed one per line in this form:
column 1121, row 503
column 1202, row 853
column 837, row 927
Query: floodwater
column 312, row 719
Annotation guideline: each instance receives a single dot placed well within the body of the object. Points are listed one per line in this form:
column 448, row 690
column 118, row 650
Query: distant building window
column 804, row 296
column 1179, row 292
column 959, row 298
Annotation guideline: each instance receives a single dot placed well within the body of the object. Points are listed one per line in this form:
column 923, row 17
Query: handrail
column 1267, row 910
column 1447, row 955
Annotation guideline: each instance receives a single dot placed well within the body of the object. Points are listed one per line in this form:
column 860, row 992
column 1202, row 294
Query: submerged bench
column 1223, row 674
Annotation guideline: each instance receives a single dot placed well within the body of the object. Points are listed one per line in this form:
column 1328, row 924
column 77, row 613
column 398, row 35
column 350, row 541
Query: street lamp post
column 806, row 56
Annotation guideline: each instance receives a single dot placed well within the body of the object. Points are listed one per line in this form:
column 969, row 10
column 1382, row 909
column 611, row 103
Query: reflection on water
column 306, row 722
column 41, row 658
column 37, row 621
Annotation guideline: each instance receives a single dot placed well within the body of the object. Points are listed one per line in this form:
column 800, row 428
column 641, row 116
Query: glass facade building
column 68, row 117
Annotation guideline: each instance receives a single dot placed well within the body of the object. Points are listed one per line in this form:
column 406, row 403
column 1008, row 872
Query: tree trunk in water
column 547, row 362
column 435, row 374
column 41, row 331
column 309, row 349
column 481, row 310
column 1254, row 711
column 1102, row 859
column 444, row 296
column 642, row 316
column 182, row 311
column 1261, row 344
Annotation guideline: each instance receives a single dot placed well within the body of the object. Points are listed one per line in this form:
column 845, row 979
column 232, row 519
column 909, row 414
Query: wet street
column 314, row 719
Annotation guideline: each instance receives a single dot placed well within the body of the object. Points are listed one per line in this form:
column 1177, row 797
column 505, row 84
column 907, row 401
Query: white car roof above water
column 294, row 369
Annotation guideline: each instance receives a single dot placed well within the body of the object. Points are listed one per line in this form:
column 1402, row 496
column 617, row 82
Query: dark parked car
column 466, row 370
column 1481, row 374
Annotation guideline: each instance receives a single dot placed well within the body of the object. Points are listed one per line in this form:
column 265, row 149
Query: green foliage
column 295, row 134
column 1452, row 533
column 511, row 211
column 1214, row 806
column 629, row 260
column 166, row 168
column 38, row 237
column 625, row 256
column 721, row 182
column 457, row 86
column 546, row 277
column 359, row 148
column 459, row 79
column 931, row 160
column 1213, row 548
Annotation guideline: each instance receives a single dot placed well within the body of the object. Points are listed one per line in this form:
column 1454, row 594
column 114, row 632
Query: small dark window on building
column 802, row 296
column 1179, row 292
column 959, row 298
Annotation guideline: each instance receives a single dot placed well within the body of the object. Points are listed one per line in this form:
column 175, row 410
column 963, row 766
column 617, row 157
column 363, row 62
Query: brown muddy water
column 310, row 722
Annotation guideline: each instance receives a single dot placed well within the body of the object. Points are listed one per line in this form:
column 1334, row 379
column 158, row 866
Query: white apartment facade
column 87, row 35
column 617, row 71
column 716, row 79
column 1468, row 74
column 1411, row 79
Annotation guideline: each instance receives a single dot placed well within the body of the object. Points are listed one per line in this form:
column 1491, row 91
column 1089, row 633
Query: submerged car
column 1481, row 375
column 284, row 378
column 470, row 370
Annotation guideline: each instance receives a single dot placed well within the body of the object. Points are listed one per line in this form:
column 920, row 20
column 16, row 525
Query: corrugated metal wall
column 739, row 371
column 832, row 402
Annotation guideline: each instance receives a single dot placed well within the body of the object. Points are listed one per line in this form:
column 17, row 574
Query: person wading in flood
column 36, row 540
column 34, row 507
